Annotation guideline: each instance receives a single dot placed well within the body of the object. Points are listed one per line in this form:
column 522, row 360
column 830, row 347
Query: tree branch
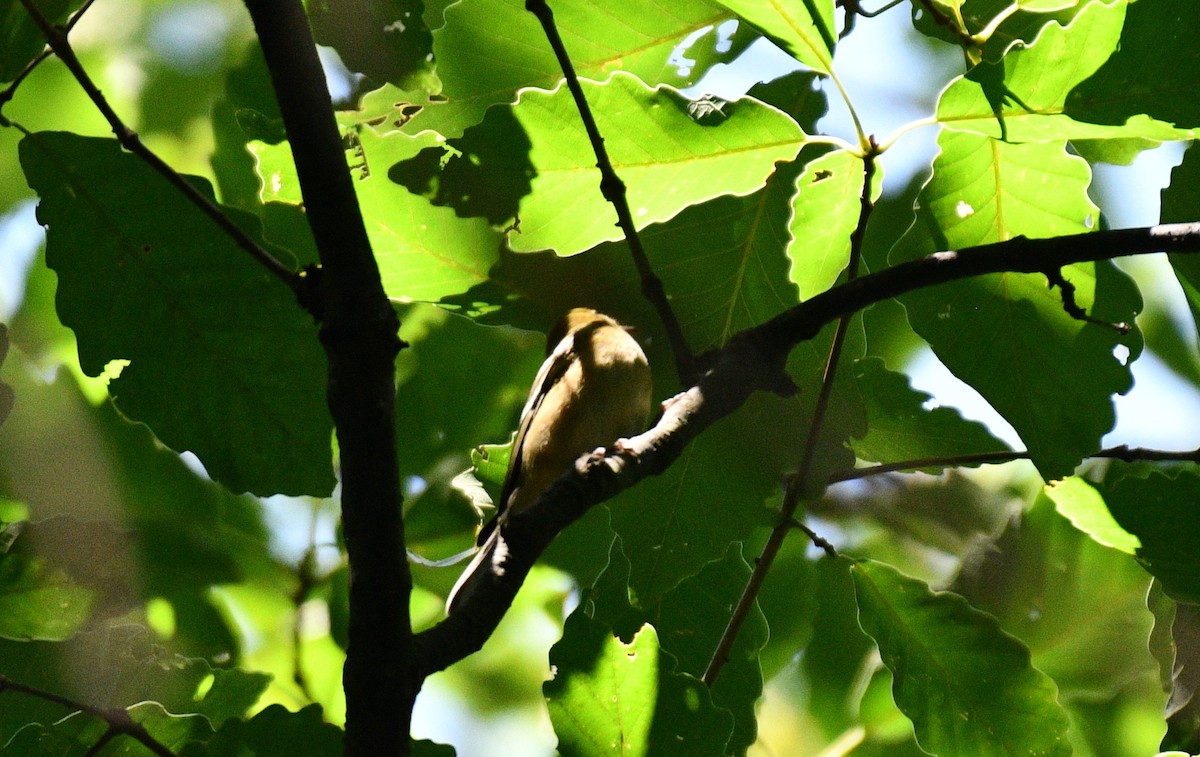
column 118, row 719
column 613, row 190
column 751, row 361
column 358, row 331
column 1122, row 452
column 57, row 39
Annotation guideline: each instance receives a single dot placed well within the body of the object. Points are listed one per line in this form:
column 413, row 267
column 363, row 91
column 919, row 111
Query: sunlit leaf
column 611, row 698
column 1080, row 503
column 424, row 252
column 664, row 156
column 1022, row 98
column 804, row 28
column 489, row 49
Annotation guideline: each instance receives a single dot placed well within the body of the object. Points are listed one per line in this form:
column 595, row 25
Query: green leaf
column 1183, row 672
column 968, row 687
column 1039, row 578
column 77, row 734
column 38, row 601
column 666, row 159
column 1160, row 510
column 836, row 652
column 385, row 40
column 1022, row 97
column 824, row 214
column 1080, row 503
column 20, row 38
column 902, row 426
column 489, row 49
column 805, row 28
column 118, row 666
column 1147, row 74
column 485, row 372
column 609, row 698
column 691, row 620
column 425, row 253
column 232, row 693
column 145, row 526
column 274, row 732
column 1007, row 335
column 222, row 361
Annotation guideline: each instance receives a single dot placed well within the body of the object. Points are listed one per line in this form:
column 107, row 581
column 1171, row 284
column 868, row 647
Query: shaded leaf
column 1183, row 708
column 222, row 361
column 1007, row 335
column 76, row 735
column 118, row 666
column 386, row 40
column 1149, row 71
column 691, row 620
column 274, row 732
column 20, row 38
column 1181, row 204
column 901, row 424
column 38, row 601
column 1160, row 510
column 968, row 687
column 1039, row 577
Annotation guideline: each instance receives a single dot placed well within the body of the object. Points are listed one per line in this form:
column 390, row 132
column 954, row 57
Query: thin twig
column 119, row 721
column 1122, row 452
column 1067, row 291
column 57, row 39
column 797, row 484
column 11, row 90
column 613, row 190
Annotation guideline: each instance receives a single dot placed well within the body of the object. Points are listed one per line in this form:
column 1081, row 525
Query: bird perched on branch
column 593, row 388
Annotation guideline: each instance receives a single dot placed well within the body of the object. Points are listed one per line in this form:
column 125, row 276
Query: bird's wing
column 553, row 368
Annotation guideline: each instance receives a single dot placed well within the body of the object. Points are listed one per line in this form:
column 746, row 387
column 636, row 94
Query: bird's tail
column 488, row 561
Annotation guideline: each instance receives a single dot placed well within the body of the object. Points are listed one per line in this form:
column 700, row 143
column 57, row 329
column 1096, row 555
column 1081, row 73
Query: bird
column 593, row 389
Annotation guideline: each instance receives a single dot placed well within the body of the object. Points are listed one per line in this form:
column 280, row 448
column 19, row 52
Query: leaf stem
column 613, row 190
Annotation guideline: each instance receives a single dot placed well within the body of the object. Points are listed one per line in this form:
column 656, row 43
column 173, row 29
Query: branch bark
column 753, row 360
column 358, row 331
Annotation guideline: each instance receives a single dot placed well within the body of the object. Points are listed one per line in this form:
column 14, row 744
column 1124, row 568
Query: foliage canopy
column 1042, row 604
